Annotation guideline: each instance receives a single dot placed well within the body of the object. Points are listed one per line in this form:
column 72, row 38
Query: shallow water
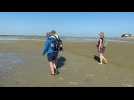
column 8, row 61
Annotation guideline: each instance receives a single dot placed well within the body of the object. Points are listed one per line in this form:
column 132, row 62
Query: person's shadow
column 60, row 62
column 96, row 58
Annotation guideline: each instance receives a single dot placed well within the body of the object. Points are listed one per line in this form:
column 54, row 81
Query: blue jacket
column 47, row 46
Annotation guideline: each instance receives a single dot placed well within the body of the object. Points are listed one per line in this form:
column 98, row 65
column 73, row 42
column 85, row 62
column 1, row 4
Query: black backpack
column 54, row 44
column 59, row 43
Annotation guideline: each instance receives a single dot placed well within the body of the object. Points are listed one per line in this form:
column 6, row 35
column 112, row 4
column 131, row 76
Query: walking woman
column 52, row 51
column 101, row 48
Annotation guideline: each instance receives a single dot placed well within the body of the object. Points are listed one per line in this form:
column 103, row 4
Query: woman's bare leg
column 104, row 59
column 51, row 67
column 54, row 64
column 101, row 58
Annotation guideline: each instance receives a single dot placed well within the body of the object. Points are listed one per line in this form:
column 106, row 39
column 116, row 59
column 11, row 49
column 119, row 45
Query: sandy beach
column 22, row 64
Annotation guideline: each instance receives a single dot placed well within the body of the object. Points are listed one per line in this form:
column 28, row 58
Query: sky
column 86, row 24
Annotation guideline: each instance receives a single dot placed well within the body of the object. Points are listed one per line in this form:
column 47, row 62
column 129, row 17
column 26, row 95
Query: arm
column 45, row 49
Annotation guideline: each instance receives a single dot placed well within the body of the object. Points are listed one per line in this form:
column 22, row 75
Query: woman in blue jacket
column 52, row 52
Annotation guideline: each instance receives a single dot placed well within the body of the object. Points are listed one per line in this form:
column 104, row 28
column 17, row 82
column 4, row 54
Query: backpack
column 59, row 43
column 54, row 44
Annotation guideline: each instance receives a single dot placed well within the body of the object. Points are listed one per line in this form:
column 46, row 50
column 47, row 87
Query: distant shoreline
column 66, row 38
column 44, row 36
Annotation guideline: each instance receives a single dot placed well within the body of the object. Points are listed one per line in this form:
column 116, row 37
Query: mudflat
column 22, row 64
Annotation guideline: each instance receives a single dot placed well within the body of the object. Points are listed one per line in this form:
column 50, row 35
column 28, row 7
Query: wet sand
column 22, row 64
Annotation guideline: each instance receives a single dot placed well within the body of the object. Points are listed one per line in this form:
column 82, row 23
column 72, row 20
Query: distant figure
column 51, row 48
column 101, row 47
